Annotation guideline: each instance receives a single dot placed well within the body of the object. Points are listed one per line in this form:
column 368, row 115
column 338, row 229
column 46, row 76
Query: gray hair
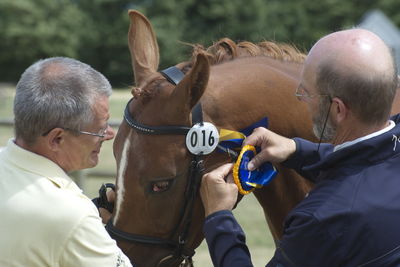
column 56, row 92
column 369, row 95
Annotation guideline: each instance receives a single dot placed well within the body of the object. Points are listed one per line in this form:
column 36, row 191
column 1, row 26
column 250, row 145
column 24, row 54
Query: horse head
column 158, row 214
column 153, row 168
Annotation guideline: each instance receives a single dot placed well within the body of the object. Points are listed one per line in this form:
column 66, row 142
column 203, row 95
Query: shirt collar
column 39, row 165
column 363, row 138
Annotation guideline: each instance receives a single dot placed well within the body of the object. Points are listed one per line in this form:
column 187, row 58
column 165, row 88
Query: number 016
column 194, row 138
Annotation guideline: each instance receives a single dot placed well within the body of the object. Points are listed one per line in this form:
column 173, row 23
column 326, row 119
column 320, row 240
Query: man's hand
column 274, row 148
column 105, row 215
column 218, row 191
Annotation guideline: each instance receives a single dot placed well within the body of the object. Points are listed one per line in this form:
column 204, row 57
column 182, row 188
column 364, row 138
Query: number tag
column 202, row 139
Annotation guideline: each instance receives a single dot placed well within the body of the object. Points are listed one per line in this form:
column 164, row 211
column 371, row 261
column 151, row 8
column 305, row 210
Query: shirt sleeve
column 307, row 153
column 89, row 244
column 306, row 242
column 226, row 240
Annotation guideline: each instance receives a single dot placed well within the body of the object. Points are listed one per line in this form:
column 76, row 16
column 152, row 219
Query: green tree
column 169, row 20
column 96, row 31
column 35, row 29
column 104, row 44
column 299, row 22
column 302, row 22
column 208, row 20
column 201, row 21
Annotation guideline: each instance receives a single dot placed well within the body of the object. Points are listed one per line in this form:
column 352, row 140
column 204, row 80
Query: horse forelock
column 148, row 92
column 227, row 50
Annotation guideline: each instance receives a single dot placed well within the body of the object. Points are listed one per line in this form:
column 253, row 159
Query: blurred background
column 95, row 32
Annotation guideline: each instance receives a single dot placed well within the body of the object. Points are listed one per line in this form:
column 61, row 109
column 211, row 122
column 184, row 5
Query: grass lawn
column 248, row 213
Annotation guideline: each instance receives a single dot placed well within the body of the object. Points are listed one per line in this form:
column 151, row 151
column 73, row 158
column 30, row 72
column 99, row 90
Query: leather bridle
column 196, row 169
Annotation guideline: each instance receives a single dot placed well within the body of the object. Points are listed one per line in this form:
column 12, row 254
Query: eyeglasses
column 102, row 133
column 302, row 92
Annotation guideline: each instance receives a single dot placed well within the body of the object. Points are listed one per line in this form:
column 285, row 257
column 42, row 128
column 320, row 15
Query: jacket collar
column 368, row 151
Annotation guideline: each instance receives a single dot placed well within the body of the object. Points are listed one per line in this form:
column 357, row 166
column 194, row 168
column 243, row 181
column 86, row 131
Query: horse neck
column 242, row 92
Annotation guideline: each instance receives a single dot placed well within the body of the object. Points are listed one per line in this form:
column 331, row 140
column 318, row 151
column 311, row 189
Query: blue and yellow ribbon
column 231, row 143
column 247, row 180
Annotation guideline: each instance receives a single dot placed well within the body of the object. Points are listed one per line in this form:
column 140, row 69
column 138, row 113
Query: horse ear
column 143, row 46
column 195, row 82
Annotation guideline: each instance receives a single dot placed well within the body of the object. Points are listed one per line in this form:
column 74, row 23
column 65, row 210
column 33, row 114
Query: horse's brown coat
column 237, row 84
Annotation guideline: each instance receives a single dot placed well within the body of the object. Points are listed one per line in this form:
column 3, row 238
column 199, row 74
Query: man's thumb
column 255, row 162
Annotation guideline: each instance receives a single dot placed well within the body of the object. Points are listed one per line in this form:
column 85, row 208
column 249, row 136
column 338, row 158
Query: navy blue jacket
column 351, row 217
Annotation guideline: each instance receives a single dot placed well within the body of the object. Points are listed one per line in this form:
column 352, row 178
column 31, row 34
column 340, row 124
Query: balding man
column 351, row 217
column 61, row 112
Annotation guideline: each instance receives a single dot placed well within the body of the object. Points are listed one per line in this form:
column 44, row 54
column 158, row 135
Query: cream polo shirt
column 45, row 220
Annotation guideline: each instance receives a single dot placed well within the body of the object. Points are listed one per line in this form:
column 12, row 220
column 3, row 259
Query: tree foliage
column 104, row 45
column 96, row 31
column 34, row 29
column 299, row 22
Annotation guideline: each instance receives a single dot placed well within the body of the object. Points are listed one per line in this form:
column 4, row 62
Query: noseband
column 196, row 169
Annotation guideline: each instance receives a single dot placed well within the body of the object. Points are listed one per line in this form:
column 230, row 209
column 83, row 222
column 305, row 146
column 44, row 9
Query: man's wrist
column 217, row 213
column 292, row 147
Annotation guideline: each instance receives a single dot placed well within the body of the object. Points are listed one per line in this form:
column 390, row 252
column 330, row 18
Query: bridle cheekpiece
column 196, row 169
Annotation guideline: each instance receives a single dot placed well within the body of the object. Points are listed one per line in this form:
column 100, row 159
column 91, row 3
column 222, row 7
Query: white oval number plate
column 202, row 139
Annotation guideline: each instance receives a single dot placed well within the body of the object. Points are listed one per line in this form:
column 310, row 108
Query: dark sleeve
column 226, row 240
column 306, row 242
column 307, row 153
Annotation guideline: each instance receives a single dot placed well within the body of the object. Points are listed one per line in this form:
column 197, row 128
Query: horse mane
column 226, row 50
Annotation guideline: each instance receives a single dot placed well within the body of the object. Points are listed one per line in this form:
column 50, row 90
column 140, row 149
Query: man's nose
column 110, row 133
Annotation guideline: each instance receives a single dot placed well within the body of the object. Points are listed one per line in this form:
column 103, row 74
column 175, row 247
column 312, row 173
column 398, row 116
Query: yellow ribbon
column 236, row 167
column 225, row 134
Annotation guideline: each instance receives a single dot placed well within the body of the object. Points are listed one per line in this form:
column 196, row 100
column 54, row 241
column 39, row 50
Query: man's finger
column 252, row 140
column 255, row 162
column 222, row 170
column 255, row 139
column 229, row 179
column 110, row 195
column 105, row 215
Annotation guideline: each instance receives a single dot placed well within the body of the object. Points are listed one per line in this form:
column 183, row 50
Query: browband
column 173, row 74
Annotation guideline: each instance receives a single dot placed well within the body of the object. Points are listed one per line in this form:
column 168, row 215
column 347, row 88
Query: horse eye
column 160, row 186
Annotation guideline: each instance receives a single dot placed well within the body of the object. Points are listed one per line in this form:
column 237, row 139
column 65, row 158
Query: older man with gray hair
column 61, row 111
column 351, row 217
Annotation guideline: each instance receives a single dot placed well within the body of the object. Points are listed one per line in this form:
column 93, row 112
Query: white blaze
column 121, row 173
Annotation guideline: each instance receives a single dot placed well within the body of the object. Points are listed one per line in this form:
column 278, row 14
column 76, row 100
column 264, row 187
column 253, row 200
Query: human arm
column 226, row 240
column 224, row 236
column 307, row 155
column 274, row 147
column 105, row 201
column 295, row 153
column 307, row 242
column 105, row 214
column 218, row 191
column 89, row 244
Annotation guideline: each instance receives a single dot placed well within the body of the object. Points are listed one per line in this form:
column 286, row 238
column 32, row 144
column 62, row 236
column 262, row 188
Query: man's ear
column 340, row 111
column 55, row 138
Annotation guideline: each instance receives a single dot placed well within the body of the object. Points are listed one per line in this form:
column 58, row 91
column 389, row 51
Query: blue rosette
column 247, row 180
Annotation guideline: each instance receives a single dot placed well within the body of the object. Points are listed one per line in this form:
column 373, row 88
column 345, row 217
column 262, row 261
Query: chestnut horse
column 158, row 214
